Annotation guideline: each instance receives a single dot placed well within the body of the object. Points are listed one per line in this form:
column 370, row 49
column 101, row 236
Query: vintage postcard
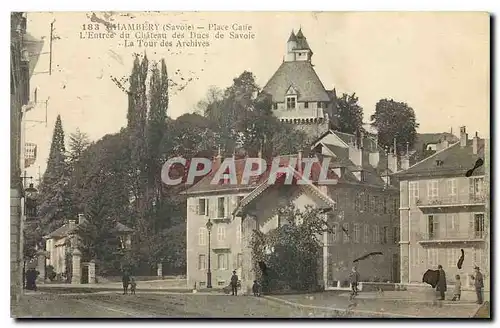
column 250, row 164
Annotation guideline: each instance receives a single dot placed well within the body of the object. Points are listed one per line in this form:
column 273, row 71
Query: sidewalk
column 339, row 305
column 467, row 297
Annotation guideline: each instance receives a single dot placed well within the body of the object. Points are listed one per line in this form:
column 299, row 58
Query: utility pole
column 51, row 38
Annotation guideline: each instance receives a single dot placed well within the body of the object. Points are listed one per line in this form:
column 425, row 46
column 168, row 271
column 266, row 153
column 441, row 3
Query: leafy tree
column 78, row 142
column 350, row 114
column 291, row 251
column 395, row 120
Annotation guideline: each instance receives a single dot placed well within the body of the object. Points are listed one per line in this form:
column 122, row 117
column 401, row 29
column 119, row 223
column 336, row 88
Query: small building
column 62, row 244
column 443, row 211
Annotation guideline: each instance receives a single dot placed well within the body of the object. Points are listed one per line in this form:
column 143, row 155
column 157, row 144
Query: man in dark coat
column 234, row 283
column 478, row 285
column 125, row 281
column 441, row 285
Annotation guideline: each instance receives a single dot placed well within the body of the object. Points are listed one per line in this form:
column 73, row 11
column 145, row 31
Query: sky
column 438, row 63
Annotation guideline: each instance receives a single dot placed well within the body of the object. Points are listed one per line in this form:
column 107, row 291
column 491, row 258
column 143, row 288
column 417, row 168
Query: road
column 115, row 305
column 112, row 304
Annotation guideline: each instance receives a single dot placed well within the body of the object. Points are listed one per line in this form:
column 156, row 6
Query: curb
column 409, row 300
column 485, row 304
column 338, row 310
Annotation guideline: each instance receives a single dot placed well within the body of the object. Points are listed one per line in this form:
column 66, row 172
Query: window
column 476, row 186
column 221, row 283
column 452, row 256
column 202, row 263
column 320, row 104
column 221, row 233
column 372, row 205
column 453, row 223
column 478, row 225
column 291, row 102
column 221, row 211
column 395, row 235
column 367, row 202
column 275, row 106
column 385, row 235
column 335, row 232
column 385, row 206
column 395, row 206
column 452, row 189
column 376, row 204
column 433, row 257
column 356, row 233
column 432, row 189
column 202, row 206
column 367, row 234
column 222, row 261
column 432, row 226
column 238, row 233
column 357, row 203
column 345, row 232
column 413, row 189
column 376, row 234
column 239, row 260
column 201, row 236
column 306, row 105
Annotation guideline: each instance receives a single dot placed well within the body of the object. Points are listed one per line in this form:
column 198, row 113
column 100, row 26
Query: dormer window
column 439, row 162
column 291, row 102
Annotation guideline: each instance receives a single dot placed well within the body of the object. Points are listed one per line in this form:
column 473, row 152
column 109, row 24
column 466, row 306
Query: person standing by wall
column 441, row 285
column 125, row 281
column 234, row 283
column 478, row 285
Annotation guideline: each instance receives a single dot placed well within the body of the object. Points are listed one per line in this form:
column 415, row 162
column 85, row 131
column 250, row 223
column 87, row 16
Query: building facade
column 299, row 97
column 443, row 212
column 365, row 216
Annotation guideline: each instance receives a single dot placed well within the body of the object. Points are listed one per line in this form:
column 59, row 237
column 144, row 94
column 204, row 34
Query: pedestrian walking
column 133, row 285
column 256, row 288
column 457, row 291
column 354, row 278
column 441, row 285
column 478, row 285
column 125, row 281
column 234, row 283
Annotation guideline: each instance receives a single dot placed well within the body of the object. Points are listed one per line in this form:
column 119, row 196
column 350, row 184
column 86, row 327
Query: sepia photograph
column 250, row 164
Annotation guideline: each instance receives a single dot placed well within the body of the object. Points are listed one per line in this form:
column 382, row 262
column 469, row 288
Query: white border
column 188, row 5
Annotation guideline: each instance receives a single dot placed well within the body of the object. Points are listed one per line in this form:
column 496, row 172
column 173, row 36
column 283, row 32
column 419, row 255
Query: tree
column 78, row 142
column 291, row 251
column 54, row 201
column 395, row 120
column 350, row 114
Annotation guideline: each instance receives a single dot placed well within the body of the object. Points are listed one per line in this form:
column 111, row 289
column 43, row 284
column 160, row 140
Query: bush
column 50, row 273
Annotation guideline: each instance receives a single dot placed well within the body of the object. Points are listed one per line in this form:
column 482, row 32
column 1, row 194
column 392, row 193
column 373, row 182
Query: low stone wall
column 139, row 278
column 376, row 286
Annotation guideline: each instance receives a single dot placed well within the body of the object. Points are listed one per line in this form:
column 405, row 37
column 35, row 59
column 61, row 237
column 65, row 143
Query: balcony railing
column 457, row 200
column 449, row 236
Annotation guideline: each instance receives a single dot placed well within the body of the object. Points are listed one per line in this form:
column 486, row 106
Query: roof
column 205, row 185
column 301, row 41
column 303, row 78
column 66, row 230
column 454, row 160
column 292, row 37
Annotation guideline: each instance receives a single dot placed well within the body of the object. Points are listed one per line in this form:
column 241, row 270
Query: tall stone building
column 24, row 51
column 443, row 212
column 299, row 97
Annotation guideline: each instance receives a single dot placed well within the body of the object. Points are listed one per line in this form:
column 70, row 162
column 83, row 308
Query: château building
column 298, row 95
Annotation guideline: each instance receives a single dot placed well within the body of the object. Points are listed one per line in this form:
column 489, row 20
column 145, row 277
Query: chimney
column 392, row 161
column 218, row 159
column 463, row 137
column 72, row 223
column 474, row 144
column 405, row 160
column 81, row 218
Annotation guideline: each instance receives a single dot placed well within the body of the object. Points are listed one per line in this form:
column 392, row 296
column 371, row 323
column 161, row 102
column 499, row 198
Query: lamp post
column 209, row 273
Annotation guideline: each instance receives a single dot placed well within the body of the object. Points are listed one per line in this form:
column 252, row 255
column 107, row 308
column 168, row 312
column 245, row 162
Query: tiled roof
column 300, row 75
column 301, row 41
column 451, row 160
column 205, row 185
